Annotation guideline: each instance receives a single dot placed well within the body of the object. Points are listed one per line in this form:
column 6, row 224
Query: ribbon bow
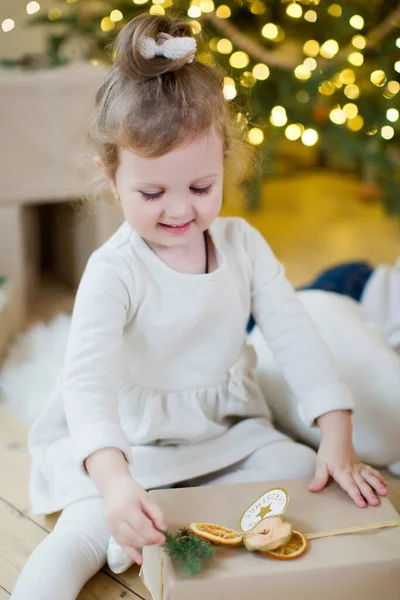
column 171, row 47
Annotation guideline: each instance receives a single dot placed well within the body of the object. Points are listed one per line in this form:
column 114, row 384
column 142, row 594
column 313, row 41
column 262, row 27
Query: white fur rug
column 32, row 366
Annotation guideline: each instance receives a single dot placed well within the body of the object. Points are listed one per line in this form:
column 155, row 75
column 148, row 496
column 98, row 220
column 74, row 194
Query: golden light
column 357, row 22
column 54, row 14
column 309, row 137
column 337, row 116
column 293, row 132
column 213, row 43
column 206, row 58
column 310, row 64
column 303, row 97
column 356, row 59
column 261, row 71
column 294, row 10
column 393, row 87
column 247, row 79
column 116, row 15
column 337, row 81
column 140, row 1
column 311, row 48
column 239, row 59
column 392, row 114
column 311, row 16
column 229, row 88
column 223, row 12
column 398, row 42
column 255, row 136
column 378, row 78
column 329, row 49
column 207, row 6
column 278, row 116
column 156, row 9
column 327, row 88
column 397, row 66
column 7, row 25
column 350, row 110
column 258, row 8
column 355, row 124
column 359, row 42
column 32, row 8
column 335, row 10
column 302, row 73
column 372, row 130
column 224, row 46
column 387, row 132
column 352, row 91
column 194, row 12
column 270, row 31
column 347, row 76
column 195, row 25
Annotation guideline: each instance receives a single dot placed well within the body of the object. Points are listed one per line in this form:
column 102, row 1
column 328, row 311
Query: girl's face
column 171, row 199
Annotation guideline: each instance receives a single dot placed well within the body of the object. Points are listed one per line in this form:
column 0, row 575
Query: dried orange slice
column 294, row 548
column 217, row 534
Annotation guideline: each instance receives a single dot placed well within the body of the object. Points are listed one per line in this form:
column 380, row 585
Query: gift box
column 352, row 566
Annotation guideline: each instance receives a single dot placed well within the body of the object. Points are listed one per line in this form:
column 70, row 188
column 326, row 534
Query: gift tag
column 273, row 502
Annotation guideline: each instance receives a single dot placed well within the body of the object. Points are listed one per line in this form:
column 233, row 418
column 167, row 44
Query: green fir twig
column 187, row 550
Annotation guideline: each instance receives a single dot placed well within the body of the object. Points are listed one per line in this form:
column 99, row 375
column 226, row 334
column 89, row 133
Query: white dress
column 157, row 365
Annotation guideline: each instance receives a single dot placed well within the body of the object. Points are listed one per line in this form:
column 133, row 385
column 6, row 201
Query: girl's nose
column 179, row 207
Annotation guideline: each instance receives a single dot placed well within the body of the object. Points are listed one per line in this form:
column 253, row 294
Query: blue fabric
column 348, row 279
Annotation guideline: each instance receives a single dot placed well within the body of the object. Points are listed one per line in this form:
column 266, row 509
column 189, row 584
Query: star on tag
column 264, row 510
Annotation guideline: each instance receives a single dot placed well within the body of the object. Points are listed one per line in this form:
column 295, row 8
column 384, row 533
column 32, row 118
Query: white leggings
column 77, row 548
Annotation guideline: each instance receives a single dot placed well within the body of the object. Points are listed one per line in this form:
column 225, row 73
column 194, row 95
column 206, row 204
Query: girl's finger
column 374, row 482
column 134, row 554
column 376, row 473
column 141, row 523
column 154, row 512
column 347, row 483
column 366, row 490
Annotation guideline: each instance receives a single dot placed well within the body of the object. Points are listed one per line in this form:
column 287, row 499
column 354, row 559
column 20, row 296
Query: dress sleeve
column 94, row 356
column 292, row 336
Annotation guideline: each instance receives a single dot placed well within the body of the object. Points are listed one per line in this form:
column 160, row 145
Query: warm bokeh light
column 229, row 88
column 309, row 137
column 278, row 116
column 378, row 78
column 337, row 116
column 261, row 71
column 387, row 132
column 359, row 42
column 7, row 25
column 311, row 16
column 223, row 12
column 116, row 15
column 293, row 132
column 239, row 60
column 294, row 10
column 355, row 124
column 335, row 10
column 329, row 49
column 352, row 91
column 350, row 110
column 311, row 48
column 357, row 22
column 255, row 136
column 356, row 59
column 270, row 31
column 32, row 8
column 392, row 114
column 224, row 46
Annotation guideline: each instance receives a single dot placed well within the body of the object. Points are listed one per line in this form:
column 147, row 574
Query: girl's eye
column 201, row 191
column 150, row 197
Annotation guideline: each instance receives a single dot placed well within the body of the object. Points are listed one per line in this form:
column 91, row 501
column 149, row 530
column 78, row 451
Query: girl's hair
column 151, row 106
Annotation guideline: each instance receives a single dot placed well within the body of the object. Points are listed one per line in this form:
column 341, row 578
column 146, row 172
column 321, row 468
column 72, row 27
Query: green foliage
column 187, row 550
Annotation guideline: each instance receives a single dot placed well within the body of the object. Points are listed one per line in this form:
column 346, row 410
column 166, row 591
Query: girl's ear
column 99, row 163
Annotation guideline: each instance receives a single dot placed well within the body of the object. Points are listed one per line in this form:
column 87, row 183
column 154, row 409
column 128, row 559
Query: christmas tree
column 321, row 75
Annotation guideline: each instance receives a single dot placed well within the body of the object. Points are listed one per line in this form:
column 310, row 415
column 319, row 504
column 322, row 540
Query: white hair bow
column 170, row 47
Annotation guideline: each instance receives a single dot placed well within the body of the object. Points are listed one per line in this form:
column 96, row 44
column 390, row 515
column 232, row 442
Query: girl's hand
column 338, row 459
column 132, row 517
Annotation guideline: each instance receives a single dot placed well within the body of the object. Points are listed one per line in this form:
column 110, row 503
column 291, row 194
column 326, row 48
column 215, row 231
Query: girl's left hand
column 338, row 459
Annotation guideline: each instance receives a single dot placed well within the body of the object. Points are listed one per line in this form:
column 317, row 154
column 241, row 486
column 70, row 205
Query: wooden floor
column 311, row 222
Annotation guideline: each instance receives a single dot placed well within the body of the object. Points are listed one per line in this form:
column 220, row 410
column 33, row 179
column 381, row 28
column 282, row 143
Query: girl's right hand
column 132, row 517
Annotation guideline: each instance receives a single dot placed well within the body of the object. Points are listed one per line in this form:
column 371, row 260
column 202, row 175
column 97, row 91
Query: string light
column 352, row 91
column 387, row 132
column 337, row 116
column 195, row 26
column 309, row 137
column 335, row 10
column 397, row 66
column 302, row 73
column 261, row 71
column 278, row 116
column 224, row 46
column 193, row 12
column 107, row 25
column 392, row 114
column 329, row 49
column 294, row 10
column 350, row 110
column 398, row 42
column 355, row 124
column 356, row 59
column 54, row 14
column 359, row 42
column 223, row 12
column 378, row 78
column 247, row 79
column 293, row 132
column 156, row 9
column 229, row 88
column 311, row 48
column 258, row 8
column 327, row 88
column 239, row 60
column 116, row 15
column 270, row 31
column 255, row 136
column 32, row 8
column 393, row 87
column 357, row 22
column 7, row 25
column 310, row 64
column 303, row 97
column 311, row 16
column 347, row 76
column 140, row 1
column 207, row 6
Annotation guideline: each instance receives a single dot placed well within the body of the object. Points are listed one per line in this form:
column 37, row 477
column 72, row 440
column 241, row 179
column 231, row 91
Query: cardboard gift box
column 362, row 565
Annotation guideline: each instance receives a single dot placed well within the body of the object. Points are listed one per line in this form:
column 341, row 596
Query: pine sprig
column 187, row 550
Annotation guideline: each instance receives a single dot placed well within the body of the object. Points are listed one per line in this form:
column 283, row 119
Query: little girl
column 158, row 388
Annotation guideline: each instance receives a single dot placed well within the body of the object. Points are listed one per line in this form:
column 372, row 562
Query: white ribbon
column 173, row 48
